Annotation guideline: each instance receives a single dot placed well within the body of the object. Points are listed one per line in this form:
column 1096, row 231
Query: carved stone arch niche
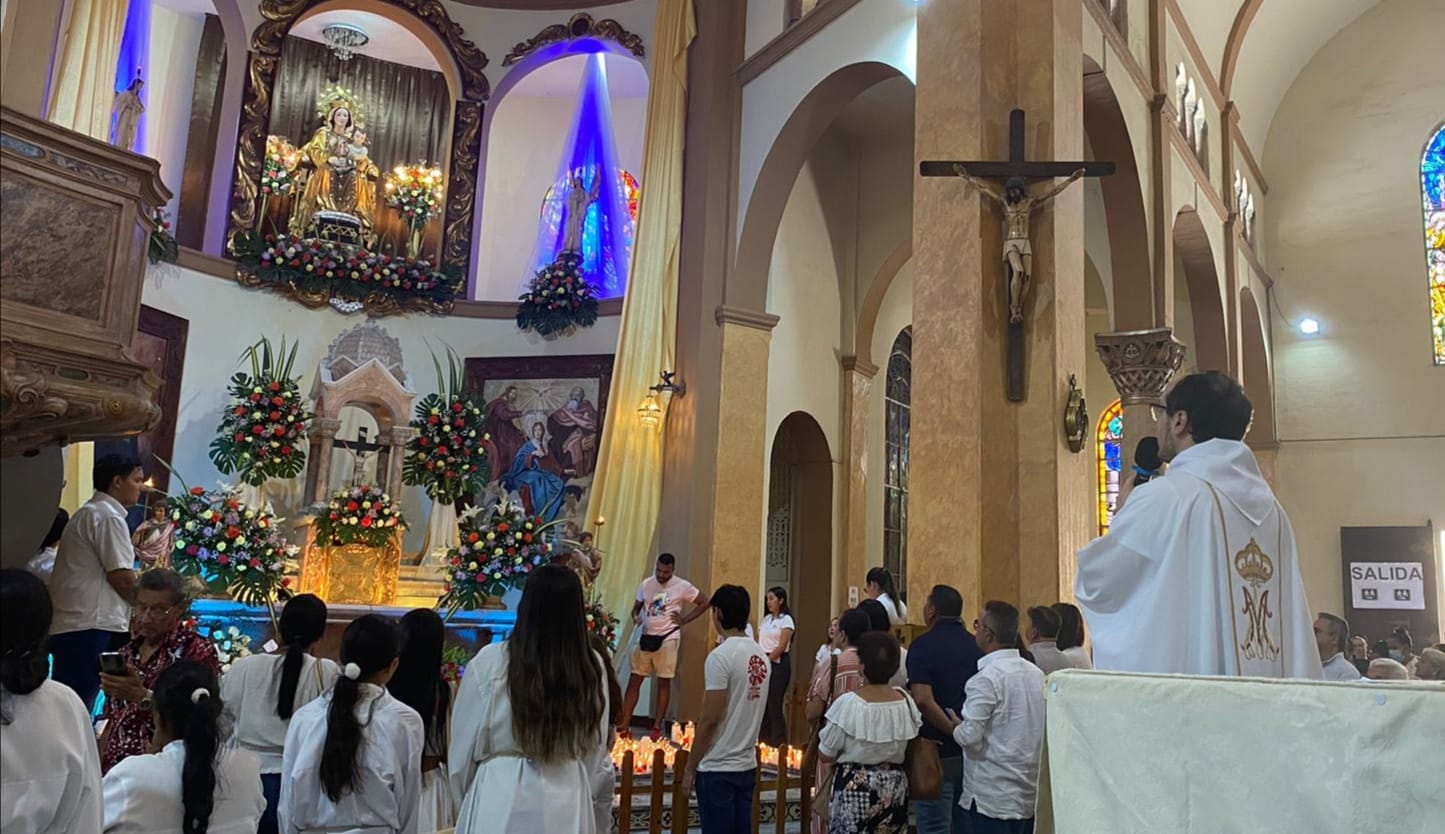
column 424, row 18
column 361, row 369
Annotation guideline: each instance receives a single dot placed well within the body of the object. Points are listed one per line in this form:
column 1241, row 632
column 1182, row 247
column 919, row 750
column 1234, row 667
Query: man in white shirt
column 1042, row 635
column 1332, row 635
column 1002, row 729
column 723, row 764
column 658, row 611
column 1198, row 573
column 93, row 585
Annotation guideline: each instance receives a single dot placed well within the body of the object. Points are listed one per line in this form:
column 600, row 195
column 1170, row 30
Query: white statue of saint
column 578, row 199
column 126, row 111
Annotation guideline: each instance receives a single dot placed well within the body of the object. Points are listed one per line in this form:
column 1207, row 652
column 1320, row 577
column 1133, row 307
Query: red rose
column 258, row 429
column 421, row 441
column 280, row 431
column 366, row 521
column 451, row 474
column 527, row 538
column 255, row 563
column 232, row 532
column 275, row 386
column 285, row 582
column 198, row 491
column 225, row 560
column 502, row 528
column 473, row 537
column 277, row 401
column 192, row 550
column 456, row 408
column 240, row 411
column 333, row 517
column 286, row 450
column 255, row 398
column 511, row 551
column 239, row 437
column 433, row 420
column 275, row 415
column 351, row 506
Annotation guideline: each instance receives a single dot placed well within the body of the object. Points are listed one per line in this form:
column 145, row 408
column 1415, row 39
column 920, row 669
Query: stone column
column 322, row 434
column 1141, row 363
column 997, row 476
column 858, row 377
column 396, row 437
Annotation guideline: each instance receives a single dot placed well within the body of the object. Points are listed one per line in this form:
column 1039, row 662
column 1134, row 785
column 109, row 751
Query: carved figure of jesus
column 1017, row 205
column 125, row 111
column 578, row 199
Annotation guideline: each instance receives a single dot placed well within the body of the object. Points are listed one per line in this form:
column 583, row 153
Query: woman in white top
column 418, row 683
column 48, row 761
column 880, row 587
column 187, row 784
column 353, row 756
column 1071, row 635
column 865, row 739
column 878, row 619
column 262, row 691
column 530, row 731
column 775, row 637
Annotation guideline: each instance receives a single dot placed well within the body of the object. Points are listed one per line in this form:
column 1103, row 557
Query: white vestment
column 143, row 793
column 49, row 770
column 1198, row 574
column 505, row 792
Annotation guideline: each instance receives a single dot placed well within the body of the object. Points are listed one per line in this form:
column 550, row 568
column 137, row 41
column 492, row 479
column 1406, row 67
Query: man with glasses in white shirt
column 1002, row 729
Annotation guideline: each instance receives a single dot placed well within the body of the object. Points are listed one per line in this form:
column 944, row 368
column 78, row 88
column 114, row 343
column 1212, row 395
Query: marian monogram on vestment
column 1256, row 569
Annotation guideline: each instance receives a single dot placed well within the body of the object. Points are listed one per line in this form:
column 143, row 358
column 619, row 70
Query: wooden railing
column 669, row 809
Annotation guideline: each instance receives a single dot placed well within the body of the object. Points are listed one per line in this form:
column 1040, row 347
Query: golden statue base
column 352, row 574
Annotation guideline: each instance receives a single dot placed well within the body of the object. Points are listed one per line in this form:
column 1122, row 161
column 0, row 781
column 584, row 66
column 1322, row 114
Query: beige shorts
column 662, row 663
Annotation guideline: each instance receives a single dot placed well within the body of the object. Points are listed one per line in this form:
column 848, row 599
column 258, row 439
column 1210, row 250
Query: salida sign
column 1396, row 585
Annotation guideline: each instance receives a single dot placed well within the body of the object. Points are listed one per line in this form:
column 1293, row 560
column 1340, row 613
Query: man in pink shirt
column 658, row 612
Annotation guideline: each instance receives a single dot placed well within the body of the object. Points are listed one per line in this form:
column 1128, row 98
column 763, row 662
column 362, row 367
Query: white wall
column 524, row 150
column 175, row 41
column 894, row 314
column 1359, row 408
column 226, row 318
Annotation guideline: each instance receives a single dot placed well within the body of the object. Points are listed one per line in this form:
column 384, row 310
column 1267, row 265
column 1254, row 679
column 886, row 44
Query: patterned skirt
column 869, row 798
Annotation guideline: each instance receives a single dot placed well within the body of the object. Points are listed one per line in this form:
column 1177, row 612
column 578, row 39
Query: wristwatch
column 148, row 701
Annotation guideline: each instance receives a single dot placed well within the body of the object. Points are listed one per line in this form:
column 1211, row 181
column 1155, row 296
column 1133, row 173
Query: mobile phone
column 112, row 663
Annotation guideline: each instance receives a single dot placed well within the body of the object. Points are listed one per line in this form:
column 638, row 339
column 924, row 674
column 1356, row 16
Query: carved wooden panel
column 42, row 221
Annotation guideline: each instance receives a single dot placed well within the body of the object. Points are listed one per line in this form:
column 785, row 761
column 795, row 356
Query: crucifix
column 361, row 450
column 1017, row 204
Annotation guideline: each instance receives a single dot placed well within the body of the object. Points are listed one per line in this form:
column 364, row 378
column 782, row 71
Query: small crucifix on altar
column 1018, row 205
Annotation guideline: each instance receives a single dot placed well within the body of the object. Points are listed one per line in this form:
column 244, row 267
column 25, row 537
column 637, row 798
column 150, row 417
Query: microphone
column 1147, row 462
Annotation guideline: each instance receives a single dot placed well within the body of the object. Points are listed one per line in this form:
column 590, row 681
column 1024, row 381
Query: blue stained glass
column 1112, row 458
column 1432, row 172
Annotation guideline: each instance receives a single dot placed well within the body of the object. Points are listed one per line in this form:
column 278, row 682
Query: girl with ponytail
column 352, row 759
column 262, row 691
column 187, row 784
column 47, row 749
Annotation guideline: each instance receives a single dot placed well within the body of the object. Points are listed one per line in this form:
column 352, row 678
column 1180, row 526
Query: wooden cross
column 1017, row 204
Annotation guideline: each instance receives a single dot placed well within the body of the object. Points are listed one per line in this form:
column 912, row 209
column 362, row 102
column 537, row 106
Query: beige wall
column 1362, row 439
column 226, row 318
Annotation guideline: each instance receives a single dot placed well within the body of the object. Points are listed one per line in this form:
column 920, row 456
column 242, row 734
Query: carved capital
column 324, row 427
column 580, row 26
column 1141, row 362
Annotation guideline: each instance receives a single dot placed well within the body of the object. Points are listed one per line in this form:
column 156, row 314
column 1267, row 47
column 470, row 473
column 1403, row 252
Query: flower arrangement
column 559, row 299
column 262, row 431
column 602, row 622
column 447, row 456
column 163, row 245
column 230, row 546
column 498, row 550
column 362, row 514
column 277, row 170
column 454, row 663
column 311, row 267
column 231, row 644
column 416, row 192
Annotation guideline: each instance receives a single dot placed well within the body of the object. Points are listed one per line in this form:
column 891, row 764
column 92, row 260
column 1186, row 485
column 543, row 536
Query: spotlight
column 1309, row 326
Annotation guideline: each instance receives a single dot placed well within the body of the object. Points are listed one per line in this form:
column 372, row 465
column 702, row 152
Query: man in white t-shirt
column 658, row 612
column 93, row 584
column 723, row 764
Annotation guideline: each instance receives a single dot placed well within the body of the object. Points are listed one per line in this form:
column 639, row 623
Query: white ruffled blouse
column 862, row 732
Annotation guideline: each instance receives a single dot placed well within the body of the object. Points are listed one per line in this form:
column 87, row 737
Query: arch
column 748, row 285
column 442, row 36
column 1109, row 459
column 873, row 300
column 1258, row 384
column 1128, row 227
column 1232, row 46
column 516, row 73
column 1191, row 242
column 802, row 448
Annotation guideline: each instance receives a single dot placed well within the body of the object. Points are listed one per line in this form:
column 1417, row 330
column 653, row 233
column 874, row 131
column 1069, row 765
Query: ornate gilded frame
column 580, row 26
column 280, row 16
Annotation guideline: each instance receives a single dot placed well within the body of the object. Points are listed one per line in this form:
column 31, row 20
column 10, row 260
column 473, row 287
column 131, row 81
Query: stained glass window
column 897, row 401
column 1109, row 435
column 1432, row 190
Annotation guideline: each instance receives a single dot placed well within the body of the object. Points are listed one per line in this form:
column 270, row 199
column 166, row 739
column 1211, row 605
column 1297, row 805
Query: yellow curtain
column 627, row 487
column 84, row 90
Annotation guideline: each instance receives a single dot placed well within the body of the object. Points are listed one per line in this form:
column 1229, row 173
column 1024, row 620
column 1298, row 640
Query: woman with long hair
column 418, row 683
column 878, row 617
column 263, row 691
column 775, row 637
column 879, row 585
column 530, row 726
column 353, row 756
column 188, row 784
column 835, row 676
column 1071, row 635
column 47, row 748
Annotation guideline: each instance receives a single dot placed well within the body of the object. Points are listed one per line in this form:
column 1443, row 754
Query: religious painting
column 543, row 418
column 160, row 345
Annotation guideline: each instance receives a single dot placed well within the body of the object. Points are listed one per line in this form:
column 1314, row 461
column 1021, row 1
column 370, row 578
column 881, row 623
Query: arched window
column 1432, row 191
column 1108, row 437
column 897, row 399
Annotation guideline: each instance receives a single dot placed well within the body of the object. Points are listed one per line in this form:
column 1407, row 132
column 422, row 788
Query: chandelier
column 344, row 39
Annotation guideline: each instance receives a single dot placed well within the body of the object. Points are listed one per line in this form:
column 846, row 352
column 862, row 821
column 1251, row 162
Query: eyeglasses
column 1156, row 410
column 159, row 612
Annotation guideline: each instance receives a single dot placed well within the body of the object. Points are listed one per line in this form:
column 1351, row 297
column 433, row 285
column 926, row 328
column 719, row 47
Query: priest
column 1198, row 573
